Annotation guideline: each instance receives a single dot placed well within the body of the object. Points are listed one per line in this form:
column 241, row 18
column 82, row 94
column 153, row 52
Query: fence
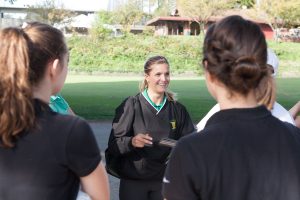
column 291, row 35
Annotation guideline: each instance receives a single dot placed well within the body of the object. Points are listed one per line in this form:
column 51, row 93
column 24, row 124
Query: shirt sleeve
column 82, row 151
column 122, row 128
column 177, row 182
column 202, row 123
column 282, row 114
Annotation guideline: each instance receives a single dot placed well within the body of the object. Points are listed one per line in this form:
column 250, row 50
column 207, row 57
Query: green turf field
column 96, row 97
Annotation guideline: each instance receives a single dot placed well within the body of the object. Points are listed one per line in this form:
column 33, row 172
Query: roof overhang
column 155, row 21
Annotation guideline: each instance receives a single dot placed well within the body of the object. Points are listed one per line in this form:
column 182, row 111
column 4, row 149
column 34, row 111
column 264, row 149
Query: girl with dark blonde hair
column 140, row 123
column 43, row 155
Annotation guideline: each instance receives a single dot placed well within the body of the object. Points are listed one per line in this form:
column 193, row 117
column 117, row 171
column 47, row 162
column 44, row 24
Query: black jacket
column 135, row 115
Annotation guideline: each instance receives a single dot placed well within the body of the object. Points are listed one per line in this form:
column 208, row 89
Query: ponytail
column 16, row 107
column 171, row 96
column 266, row 92
column 143, row 85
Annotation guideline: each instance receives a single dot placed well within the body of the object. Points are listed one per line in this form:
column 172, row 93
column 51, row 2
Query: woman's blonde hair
column 16, row 109
column 266, row 92
column 23, row 59
column 147, row 69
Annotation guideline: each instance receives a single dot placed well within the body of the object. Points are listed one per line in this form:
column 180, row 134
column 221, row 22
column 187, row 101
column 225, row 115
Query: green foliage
column 128, row 14
column 162, row 9
column 281, row 13
column 248, row 3
column 127, row 54
column 290, row 13
column 148, row 31
column 202, row 10
column 99, row 29
column 105, row 17
column 100, row 32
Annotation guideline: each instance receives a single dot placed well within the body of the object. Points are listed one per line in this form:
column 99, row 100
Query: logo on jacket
column 173, row 124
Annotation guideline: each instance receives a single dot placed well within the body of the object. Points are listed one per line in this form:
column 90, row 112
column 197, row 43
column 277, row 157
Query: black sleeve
column 186, row 124
column 122, row 128
column 177, row 182
column 82, row 151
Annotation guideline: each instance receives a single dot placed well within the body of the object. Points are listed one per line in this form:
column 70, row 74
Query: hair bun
column 246, row 73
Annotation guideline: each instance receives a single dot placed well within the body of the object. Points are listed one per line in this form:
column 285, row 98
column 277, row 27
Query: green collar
column 157, row 107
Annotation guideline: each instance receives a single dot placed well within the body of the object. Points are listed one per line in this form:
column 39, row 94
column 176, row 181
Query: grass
column 96, row 97
column 289, row 60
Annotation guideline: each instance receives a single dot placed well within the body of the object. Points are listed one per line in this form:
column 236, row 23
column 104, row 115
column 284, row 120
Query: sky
column 92, row 5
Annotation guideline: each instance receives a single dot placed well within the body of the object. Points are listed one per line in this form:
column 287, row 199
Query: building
column 176, row 25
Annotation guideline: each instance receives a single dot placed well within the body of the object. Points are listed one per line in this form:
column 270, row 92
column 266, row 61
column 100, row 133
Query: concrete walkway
column 102, row 131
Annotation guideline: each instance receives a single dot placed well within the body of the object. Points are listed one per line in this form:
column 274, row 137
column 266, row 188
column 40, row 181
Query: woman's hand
column 295, row 111
column 297, row 121
column 141, row 140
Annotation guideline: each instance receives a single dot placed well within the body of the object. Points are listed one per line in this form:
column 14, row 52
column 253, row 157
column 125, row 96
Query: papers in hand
column 167, row 142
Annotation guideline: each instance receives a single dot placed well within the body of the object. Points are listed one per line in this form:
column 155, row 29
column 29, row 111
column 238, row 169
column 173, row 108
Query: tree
column 99, row 29
column 162, row 8
column 280, row 13
column 105, row 17
column 48, row 11
column 128, row 15
column 201, row 10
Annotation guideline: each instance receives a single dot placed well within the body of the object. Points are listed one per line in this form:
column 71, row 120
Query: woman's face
column 158, row 78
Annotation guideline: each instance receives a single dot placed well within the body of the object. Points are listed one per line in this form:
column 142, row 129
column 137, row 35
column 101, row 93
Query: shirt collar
column 157, row 107
column 226, row 115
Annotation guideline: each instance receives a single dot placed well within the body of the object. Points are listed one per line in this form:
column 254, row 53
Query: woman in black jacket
column 140, row 123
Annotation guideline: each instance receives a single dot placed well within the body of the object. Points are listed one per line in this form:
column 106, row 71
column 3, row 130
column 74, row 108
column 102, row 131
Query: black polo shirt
column 47, row 161
column 242, row 154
